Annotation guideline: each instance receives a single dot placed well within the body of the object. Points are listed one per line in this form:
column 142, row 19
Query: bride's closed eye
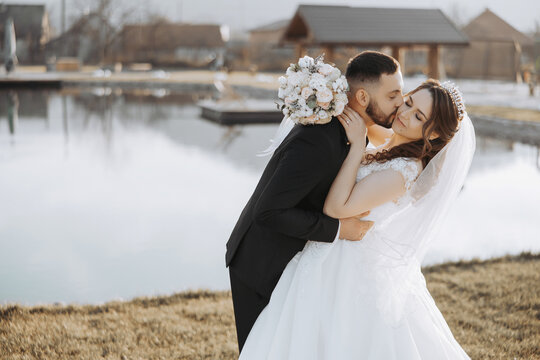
column 409, row 104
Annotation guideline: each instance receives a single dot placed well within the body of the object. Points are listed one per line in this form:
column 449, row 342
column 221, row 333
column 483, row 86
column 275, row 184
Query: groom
column 285, row 210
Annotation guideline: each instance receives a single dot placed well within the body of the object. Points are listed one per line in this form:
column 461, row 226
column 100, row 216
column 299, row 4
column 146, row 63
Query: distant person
column 10, row 46
column 9, row 65
column 303, row 286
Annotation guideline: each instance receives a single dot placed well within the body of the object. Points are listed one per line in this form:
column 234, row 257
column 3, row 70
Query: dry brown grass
column 190, row 325
column 493, row 308
column 504, row 112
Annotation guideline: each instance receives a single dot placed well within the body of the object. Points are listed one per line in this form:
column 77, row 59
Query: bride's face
column 413, row 114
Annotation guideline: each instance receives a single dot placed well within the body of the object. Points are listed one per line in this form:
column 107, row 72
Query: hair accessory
column 457, row 97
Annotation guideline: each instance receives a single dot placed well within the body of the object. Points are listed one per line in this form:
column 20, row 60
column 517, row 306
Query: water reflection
column 35, row 104
column 131, row 193
column 12, row 110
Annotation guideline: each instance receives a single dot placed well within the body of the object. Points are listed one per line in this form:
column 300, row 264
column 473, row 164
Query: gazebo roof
column 489, row 27
column 345, row 25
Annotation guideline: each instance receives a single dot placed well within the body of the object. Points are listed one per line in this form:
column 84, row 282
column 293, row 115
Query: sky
column 247, row 14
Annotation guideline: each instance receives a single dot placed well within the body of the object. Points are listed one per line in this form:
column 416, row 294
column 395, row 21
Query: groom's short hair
column 367, row 68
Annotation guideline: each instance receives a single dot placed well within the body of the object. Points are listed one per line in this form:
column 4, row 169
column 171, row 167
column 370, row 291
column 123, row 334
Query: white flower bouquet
column 312, row 91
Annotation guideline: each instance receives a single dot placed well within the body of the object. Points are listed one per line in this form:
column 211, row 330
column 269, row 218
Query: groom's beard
column 378, row 117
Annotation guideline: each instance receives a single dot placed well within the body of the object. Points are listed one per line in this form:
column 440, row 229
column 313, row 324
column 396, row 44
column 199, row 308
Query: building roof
column 28, row 19
column 489, row 27
column 172, row 35
column 347, row 25
column 276, row 25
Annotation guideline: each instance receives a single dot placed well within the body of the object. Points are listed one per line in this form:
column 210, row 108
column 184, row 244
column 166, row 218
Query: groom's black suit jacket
column 285, row 209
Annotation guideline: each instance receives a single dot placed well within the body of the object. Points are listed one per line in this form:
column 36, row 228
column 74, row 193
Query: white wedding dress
column 342, row 300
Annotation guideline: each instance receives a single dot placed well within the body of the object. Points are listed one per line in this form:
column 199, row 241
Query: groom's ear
column 362, row 97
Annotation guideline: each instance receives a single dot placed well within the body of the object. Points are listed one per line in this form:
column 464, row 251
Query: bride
column 368, row 299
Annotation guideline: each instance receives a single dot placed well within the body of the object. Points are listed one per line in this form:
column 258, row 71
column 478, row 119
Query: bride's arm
column 347, row 198
column 378, row 135
column 345, row 180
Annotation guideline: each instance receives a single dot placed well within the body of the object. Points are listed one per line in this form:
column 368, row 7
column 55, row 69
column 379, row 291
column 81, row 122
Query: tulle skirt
column 334, row 302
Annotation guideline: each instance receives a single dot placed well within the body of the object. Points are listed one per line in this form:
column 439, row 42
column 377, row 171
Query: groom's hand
column 354, row 229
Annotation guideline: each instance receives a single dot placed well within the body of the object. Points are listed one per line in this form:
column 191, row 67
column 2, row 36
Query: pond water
column 111, row 195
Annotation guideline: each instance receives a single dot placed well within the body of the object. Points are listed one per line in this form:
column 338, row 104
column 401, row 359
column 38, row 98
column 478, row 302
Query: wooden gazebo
column 332, row 26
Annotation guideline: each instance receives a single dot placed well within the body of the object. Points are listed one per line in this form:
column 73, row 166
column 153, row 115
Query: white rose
column 339, row 106
column 289, row 100
column 325, row 95
column 340, row 84
column 295, row 79
column 317, row 82
column 290, row 70
column 334, row 75
column 324, row 105
column 282, row 81
column 318, row 77
column 306, row 62
column 322, row 114
column 341, row 97
column 326, row 69
column 282, row 93
column 345, row 83
column 306, row 112
column 306, row 92
column 305, row 81
column 336, row 85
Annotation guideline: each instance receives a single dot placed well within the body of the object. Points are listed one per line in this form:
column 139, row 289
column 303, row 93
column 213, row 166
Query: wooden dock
column 7, row 82
column 241, row 112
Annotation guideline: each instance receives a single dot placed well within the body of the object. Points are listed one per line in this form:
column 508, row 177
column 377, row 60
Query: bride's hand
column 354, row 229
column 354, row 126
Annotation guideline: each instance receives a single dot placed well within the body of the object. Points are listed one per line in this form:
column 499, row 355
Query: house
column 172, row 44
column 495, row 51
column 32, row 31
column 270, row 33
column 332, row 27
column 265, row 51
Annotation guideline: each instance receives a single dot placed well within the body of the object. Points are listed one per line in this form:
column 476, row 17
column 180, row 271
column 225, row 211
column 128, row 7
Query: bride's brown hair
column 443, row 122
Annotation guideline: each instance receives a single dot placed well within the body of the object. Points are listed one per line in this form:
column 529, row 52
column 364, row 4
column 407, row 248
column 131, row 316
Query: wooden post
column 433, row 62
column 298, row 51
column 517, row 62
column 328, row 54
column 398, row 54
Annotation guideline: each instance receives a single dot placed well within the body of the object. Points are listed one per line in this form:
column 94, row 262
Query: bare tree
column 457, row 13
column 108, row 17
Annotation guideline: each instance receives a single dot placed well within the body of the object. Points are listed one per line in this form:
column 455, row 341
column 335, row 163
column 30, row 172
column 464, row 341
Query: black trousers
column 248, row 304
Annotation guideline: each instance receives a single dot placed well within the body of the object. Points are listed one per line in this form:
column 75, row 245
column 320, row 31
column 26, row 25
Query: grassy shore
column 492, row 307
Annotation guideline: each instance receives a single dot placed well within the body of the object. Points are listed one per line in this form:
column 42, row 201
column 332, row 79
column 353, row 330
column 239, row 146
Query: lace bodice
column 408, row 167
